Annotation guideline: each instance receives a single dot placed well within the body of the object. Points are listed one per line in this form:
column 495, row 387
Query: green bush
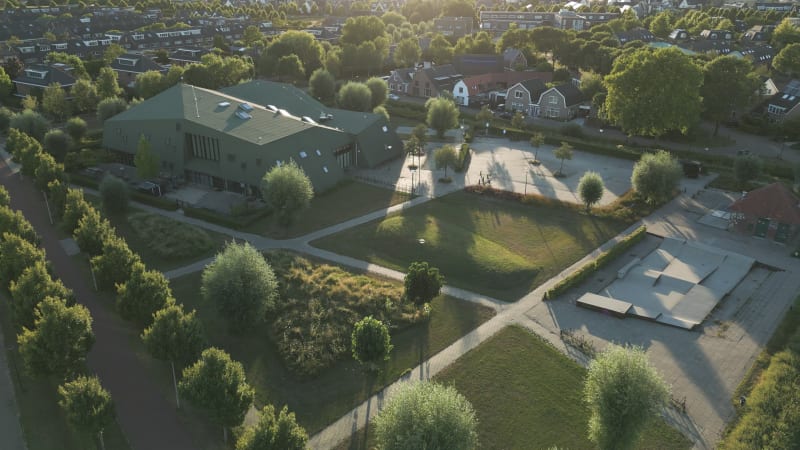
column 462, row 163
column 237, row 222
column 578, row 276
column 158, row 202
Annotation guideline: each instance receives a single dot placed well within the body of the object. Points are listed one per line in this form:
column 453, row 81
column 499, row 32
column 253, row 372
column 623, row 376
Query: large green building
column 229, row 139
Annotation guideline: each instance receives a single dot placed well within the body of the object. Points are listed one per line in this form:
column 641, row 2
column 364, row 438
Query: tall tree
column 114, row 194
column 217, row 384
column 728, row 85
column 174, row 336
column 322, row 85
column 107, row 85
column 747, row 168
column 287, row 190
column 548, row 40
column 115, row 264
column 91, row 232
column 6, row 86
column 624, row 393
column 442, row 114
column 59, row 340
column 76, row 129
column 110, row 107
column 149, row 84
column 788, row 60
column 563, row 152
column 355, row 96
column 364, row 43
column 422, row 283
column 273, row 432
column 590, row 188
column 407, row 52
column 652, row 92
column 440, row 50
column 241, row 284
column 88, row 405
column 17, row 254
column 379, row 91
column 142, row 294
column 446, row 157
column 427, row 415
column 47, row 171
column 30, row 288
column 655, row 176
column 370, row 342
column 785, row 33
column 145, row 160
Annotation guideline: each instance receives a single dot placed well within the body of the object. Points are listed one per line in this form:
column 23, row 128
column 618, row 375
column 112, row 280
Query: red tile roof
column 775, row 201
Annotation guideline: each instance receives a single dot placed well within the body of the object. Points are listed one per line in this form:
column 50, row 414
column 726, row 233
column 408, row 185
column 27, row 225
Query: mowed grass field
column 527, row 395
column 320, row 400
column 496, row 247
column 348, row 200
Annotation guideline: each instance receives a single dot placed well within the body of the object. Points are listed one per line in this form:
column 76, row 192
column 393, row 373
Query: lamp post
column 413, row 171
column 487, row 128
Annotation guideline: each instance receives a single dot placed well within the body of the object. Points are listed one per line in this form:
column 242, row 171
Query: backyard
column 501, row 248
column 333, row 390
column 527, row 395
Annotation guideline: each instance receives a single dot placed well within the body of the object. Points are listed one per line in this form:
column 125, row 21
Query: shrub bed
column 321, row 303
column 593, row 266
column 411, row 111
column 158, row 202
column 168, row 238
column 237, row 222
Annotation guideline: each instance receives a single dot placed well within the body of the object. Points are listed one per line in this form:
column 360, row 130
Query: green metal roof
column 300, row 104
column 219, row 111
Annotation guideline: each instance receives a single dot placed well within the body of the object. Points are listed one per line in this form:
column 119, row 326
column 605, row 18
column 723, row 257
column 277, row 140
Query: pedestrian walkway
column 11, row 436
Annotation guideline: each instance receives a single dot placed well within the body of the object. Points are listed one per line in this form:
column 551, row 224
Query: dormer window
column 37, row 74
column 127, row 62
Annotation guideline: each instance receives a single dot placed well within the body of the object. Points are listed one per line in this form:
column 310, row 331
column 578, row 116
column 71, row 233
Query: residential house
column 433, row 81
column 475, row 90
column 567, row 19
column 785, row 104
column 561, row 102
column 717, row 35
column 129, row 66
column 514, row 59
column 768, row 87
column 759, row 33
column 474, row 64
column 497, row 22
column 635, row 34
column 453, row 27
column 219, row 140
column 691, row 4
column 400, row 80
column 524, row 96
column 769, row 212
column 37, row 77
column 759, row 54
column 679, row 34
column 774, row 6
column 186, row 56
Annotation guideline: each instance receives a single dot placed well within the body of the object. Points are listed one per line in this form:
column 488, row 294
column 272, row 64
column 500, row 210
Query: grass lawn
column 349, row 200
column 320, row 400
column 497, row 247
column 44, row 424
column 527, row 395
column 161, row 242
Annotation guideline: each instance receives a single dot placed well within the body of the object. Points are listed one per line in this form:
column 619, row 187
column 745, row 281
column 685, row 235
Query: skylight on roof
column 319, row 153
column 303, row 154
column 224, row 104
column 325, row 169
column 245, row 107
column 243, row 115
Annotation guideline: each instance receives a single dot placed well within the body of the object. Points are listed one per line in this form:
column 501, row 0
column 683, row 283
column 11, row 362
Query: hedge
column 237, row 223
column 593, row 266
column 141, row 197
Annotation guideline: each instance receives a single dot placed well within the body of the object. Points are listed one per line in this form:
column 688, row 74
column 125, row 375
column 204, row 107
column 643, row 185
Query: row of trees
column 55, row 333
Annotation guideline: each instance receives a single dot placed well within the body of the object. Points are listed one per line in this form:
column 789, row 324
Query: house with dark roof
column 433, row 81
column 717, row 35
column 514, row 59
column 221, row 140
column 37, row 77
column 561, row 102
column 785, row 104
column 635, row 34
column 758, row 54
column 769, row 212
column 524, row 96
column 400, row 80
column 758, row 33
column 474, row 64
column 187, row 55
column 678, row 34
column 453, row 27
column 129, row 66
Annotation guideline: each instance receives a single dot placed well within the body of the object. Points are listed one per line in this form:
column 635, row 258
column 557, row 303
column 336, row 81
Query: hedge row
column 141, row 197
column 413, row 111
column 593, row 266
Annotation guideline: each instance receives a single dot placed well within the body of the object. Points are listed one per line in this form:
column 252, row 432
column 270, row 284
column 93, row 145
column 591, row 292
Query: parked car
column 150, row 188
column 394, row 97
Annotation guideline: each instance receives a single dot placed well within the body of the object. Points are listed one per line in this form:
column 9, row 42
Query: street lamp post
column 413, row 171
column 487, row 128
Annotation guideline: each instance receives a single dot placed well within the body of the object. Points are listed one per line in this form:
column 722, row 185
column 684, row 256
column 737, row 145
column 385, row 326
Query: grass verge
column 320, row 400
column 527, row 395
column 43, row 422
column 498, row 247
